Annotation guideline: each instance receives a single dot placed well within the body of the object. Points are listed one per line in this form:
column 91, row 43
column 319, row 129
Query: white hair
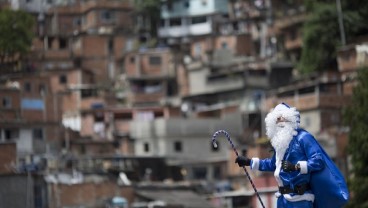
column 283, row 132
column 281, row 110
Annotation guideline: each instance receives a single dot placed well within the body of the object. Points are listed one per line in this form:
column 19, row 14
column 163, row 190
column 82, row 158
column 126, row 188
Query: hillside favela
column 163, row 103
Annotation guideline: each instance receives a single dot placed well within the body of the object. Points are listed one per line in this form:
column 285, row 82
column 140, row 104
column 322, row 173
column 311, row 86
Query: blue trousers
column 283, row 203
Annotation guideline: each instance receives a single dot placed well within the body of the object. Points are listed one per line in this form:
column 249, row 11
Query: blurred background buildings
column 103, row 110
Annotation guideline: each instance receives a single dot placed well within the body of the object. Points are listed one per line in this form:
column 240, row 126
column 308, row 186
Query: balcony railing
column 143, row 97
column 185, row 30
column 312, row 101
column 293, row 44
column 87, row 103
column 57, row 54
column 180, row 127
column 256, row 81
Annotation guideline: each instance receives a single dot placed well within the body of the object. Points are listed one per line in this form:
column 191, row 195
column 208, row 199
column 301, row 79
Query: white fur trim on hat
column 289, row 113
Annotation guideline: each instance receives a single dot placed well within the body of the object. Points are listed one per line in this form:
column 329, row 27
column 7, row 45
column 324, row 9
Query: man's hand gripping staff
column 246, row 161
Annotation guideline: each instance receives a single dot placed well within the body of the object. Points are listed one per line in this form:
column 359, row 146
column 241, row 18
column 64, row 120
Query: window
column 175, row 22
column 63, row 79
column 82, row 149
column 107, row 16
column 99, row 117
column 293, row 35
column 37, row 133
column 132, row 59
column 10, row 134
column 123, row 116
column 42, row 89
column 345, row 56
column 178, row 146
column 50, row 40
column 306, row 90
column 186, row 4
column 77, row 21
column 197, row 50
column 170, row 5
column 110, row 46
column 86, row 93
column 199, row 173
column 217, row 172
column 235, row 26
column 224, row 45
column 63, row 43
column 146, row 147
column 6, row 102
column 154, row 60
column 162, row 23
column 199, row 19
column 27, row 87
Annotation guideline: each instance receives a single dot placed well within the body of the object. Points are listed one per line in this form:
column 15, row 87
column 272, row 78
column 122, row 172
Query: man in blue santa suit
column 302, row 169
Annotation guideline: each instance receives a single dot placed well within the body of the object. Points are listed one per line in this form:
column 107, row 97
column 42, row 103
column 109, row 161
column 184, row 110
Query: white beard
column 282, row 133
column 280, row 141
column 282, row 137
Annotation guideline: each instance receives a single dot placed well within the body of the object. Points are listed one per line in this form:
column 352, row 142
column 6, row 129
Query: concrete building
column 23, row 190
column 320, row 100
column 288, row 20
column 151, row 75
column 8, row 157
column 186, row 143
column 30, row 115
column 182, row 20
column 86, row 93
column 350, row 59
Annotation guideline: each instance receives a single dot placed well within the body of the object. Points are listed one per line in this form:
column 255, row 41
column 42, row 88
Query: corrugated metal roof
column 184, row 198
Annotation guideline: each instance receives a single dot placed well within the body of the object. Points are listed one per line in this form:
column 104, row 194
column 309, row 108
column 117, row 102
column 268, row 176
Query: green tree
column 321, row 34
column 320, row 38
column 149, row 10
column 16, row 33
column 356, row 117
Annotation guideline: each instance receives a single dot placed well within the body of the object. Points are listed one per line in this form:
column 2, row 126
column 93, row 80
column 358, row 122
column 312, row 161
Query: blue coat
column 326, row 181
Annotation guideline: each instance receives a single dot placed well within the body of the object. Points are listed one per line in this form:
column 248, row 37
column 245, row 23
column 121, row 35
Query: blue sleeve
column 268, row 164
column 313, row 152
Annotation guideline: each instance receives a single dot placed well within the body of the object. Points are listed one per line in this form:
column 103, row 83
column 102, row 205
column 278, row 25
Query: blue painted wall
column 32, row 104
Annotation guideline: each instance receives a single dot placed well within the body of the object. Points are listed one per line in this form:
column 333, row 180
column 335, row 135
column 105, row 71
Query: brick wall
column 139, row 64
column 8, row 154
column 87, row 127
column 87, row 193
column 12, row 111
column 200, row 46
column 346, row 59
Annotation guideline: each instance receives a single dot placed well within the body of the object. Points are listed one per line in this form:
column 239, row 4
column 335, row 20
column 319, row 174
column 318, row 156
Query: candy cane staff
column 237, row 154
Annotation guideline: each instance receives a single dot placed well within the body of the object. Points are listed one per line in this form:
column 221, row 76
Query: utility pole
column 341, row 23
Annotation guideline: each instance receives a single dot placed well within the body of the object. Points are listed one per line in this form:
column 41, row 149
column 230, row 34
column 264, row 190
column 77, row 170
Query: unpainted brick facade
column 8, row 157
column 87, row 193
